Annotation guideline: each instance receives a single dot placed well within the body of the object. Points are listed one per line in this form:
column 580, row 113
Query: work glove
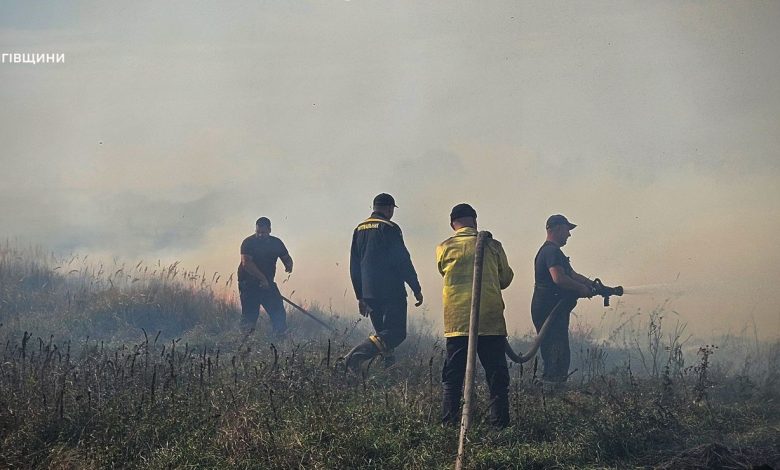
column 363, row 308
column 419, row 297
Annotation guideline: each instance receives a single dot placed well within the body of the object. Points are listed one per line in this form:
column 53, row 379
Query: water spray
column 653, row 289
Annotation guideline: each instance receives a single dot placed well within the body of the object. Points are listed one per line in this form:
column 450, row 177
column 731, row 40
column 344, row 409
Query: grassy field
column 142, row 366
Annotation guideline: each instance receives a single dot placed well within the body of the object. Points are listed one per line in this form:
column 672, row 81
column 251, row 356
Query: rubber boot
column 389, row 358
column 499, row 411
column 450, row 405
column 359, row 354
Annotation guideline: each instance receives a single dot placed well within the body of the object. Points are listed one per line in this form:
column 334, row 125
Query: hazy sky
column 172, row 126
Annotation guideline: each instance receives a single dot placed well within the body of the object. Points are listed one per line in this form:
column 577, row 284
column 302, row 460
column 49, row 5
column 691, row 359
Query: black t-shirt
column 264, row 252
column 549, row 255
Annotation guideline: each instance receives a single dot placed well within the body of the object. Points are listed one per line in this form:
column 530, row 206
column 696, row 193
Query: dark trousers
column 490, row 350
column 252, row 297
column 389, row 320
column 556, row 356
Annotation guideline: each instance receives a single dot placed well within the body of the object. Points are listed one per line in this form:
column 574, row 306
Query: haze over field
column 172, row 126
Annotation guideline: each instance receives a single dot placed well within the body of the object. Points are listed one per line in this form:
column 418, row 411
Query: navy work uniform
column 379, row 266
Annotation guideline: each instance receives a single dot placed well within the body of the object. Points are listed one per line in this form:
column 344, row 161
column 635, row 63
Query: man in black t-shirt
column 556, row 281
column 256, row 272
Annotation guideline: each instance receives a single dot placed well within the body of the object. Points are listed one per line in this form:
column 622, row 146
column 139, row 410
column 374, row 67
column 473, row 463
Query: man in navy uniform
column 380, row 266
column 256, row 286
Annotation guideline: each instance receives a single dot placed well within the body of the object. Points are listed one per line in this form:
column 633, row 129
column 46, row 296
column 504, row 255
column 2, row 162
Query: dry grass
column 144, row 369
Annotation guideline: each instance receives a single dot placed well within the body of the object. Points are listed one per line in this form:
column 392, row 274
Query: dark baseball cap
column 558, row 219
column 462, row 210
column 384, row 199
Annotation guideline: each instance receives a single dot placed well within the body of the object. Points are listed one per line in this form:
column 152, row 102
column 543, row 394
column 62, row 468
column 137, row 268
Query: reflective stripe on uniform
column 373, row 224
column 379, row 343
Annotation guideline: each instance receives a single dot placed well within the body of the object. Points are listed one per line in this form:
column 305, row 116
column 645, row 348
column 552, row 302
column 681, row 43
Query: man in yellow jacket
column 455, row 257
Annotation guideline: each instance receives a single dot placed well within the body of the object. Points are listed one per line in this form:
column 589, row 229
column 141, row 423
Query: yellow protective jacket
column 455, row 258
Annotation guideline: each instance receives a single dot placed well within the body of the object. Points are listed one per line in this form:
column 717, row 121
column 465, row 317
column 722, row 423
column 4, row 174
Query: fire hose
column 565, row 304
column 471, row 353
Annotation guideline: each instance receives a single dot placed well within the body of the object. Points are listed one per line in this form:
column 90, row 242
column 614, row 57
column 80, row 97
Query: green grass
column 148, row 371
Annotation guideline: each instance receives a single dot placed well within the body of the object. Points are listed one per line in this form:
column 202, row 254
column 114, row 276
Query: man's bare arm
column 251, row 268
column 564, row 281
column 580, row 278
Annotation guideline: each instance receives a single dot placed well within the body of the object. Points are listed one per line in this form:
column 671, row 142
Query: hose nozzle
column 605, row 291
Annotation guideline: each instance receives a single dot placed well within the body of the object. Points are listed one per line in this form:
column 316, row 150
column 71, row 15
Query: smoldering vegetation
column 141, row 365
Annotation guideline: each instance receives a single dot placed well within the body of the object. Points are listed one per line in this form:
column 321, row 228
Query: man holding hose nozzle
column 556, row 285
column 380, row 266
column 455, row 258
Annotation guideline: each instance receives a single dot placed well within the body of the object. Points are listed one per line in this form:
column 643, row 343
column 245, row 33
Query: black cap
column 384, row 199
column 462, row 210
column 558, row 219
column 263, row 222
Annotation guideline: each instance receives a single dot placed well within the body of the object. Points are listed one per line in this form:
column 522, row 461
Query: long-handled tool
column 302, row 310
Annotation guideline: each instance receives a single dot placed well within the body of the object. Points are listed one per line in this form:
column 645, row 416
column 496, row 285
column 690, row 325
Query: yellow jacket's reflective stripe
column 455, row 258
